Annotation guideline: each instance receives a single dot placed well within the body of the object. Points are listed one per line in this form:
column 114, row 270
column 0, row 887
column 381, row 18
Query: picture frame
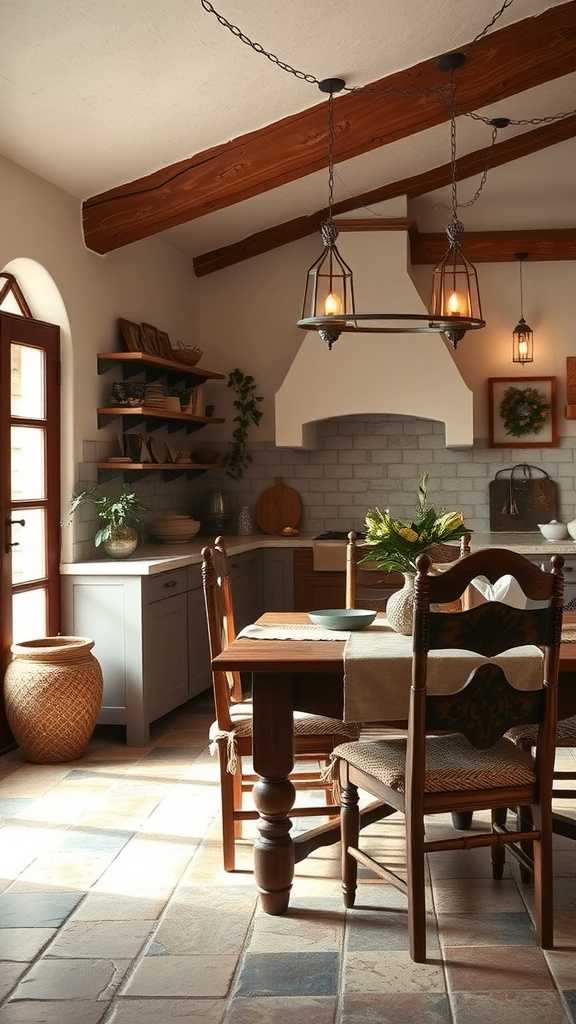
column 502, row 436
column 130, row 335
column 163, row 344
column 150, row 339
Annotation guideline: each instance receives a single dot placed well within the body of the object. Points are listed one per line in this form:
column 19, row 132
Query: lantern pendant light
column 522, row 336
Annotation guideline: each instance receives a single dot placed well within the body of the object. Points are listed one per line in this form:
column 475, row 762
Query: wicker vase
column 53, row 692
column 400, row 607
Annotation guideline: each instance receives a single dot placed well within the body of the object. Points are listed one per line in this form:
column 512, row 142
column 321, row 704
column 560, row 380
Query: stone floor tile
column 182, row 976
column 14, row 806
column 369, row 971
column 486, row 930
column 303, row 929
column 36, row 909
column 289, row 974
column 9, row 974
column 189, row 930
column 562, row 963
column 476, row 896
column 64, row 871
column 378, row 895
column 373, row 929
column 86, row 840
column 276, row 1010
column 23, row 944
column 487, row 968
column 57, row 1012
column 167, row 1011
column 103, row 906
column 475, row 863
column 100, row 939
column 72, row 979
column 507, row 1008
column 396, row 1008
column 570, row 998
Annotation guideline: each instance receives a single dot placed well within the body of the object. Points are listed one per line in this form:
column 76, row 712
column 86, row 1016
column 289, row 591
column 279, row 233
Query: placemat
column 307, row 631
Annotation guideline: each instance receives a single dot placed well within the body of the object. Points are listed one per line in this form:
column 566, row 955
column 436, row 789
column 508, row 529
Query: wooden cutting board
column 278, row 506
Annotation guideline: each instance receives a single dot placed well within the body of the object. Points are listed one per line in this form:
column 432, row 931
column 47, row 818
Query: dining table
column 307, row 675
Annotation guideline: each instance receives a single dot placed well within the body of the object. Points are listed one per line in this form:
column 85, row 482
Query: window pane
column 28, row 615
column 27, row 453
column 27, row 381
column 29, row 551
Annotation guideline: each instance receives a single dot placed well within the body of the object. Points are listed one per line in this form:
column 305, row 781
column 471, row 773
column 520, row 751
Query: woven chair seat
column 452, row 764
column 565, row 733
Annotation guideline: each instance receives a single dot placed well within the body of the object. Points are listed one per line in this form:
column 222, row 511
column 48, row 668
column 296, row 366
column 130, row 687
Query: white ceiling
column 97, row 92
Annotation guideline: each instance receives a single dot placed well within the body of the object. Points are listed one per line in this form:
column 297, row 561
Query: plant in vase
column 248, row 414
column 394, row 546
column 120, row 516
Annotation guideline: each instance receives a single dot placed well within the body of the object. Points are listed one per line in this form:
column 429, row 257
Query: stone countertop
column 154, row 558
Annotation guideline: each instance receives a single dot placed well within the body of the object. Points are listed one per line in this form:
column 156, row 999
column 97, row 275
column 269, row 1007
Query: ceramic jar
column 245, row 524
column 400, row 607
column 123, row 542
column 53, row 693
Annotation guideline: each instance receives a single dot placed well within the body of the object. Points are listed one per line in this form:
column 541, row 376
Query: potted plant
column 394, row 546
column 120, row 516
column 247, row 414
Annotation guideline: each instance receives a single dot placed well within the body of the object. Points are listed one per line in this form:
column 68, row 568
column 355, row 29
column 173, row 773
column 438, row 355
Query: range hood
column 404, row 374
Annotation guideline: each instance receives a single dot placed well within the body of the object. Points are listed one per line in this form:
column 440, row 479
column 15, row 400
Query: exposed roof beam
column 466, row 166
column 500, row 246
column 507, row 61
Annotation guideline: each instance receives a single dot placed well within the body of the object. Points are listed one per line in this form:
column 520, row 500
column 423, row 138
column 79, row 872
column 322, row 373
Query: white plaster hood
column 403, row 374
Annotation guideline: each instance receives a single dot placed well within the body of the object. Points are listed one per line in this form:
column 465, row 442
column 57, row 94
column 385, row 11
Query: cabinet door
column 245, row 574
column 314, row 590
column 277, row 580
column 165, row 655
column 199, row 672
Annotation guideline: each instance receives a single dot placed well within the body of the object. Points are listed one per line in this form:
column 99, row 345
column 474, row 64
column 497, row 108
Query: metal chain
column 549, row 119
column 331, row 145
column 495, row 17
column 453, row 184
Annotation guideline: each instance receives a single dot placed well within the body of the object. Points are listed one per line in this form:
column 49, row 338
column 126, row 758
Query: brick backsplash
column 360, row 461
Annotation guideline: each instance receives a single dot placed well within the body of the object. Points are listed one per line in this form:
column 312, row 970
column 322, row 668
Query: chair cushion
column 565, row 733
column 452, row 764
column 304, row 724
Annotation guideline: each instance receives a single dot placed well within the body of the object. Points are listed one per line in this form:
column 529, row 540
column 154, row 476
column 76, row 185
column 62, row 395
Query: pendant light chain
column 520, row 261
column 331, row 146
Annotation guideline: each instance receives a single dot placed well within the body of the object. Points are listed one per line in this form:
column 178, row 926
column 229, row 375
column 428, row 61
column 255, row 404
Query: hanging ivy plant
column 523, row 411
column 247, row 414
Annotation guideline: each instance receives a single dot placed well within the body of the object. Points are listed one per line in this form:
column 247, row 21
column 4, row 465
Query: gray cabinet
column 150, row 632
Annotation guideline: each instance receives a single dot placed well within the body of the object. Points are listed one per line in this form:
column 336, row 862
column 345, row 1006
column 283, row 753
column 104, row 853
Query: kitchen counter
column 155, row 558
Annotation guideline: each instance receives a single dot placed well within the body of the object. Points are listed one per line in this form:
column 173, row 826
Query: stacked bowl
column 174, row 529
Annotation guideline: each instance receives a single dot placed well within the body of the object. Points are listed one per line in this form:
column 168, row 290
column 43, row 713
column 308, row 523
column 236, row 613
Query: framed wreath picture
column 522, row 412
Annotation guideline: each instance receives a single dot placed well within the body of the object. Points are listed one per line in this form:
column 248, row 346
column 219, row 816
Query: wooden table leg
column 273, row 755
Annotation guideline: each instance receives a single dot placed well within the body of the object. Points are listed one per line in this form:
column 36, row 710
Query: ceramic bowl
column 553, row 530
column 342, row 618
column 571, row 527
column 173, row 529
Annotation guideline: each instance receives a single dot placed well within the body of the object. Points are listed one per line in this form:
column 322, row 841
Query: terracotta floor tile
column 487, row 968
column 476, row 896
column 396, row 1008
column 88, row 980
column 368, row 971
column 486, row 930
column 166, row 1011
column 508, row 1008
column 182, row 976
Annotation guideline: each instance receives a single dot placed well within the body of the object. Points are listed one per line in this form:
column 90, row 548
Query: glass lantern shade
column 455, row 291
column 522, row 343
column 329, row 288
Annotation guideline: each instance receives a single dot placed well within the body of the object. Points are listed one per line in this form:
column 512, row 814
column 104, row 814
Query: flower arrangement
column 119, row 512
column 394, row 544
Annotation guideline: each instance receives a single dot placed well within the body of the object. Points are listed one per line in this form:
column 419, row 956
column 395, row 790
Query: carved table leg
column 273, row 744
column 462, row 820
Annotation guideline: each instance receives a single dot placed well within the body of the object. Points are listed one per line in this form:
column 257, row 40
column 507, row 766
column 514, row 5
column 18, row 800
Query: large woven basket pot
column 53, row 692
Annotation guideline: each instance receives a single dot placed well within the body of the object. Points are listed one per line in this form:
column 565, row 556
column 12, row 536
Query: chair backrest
column 221, row 625
column 369, row 587
column 487, row 705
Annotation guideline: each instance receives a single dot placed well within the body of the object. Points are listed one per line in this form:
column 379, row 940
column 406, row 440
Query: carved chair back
column 369, row 587
column 487, row 705
column 221, row 626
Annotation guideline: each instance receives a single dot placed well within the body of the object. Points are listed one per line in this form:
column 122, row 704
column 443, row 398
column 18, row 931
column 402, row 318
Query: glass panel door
column 29, row 481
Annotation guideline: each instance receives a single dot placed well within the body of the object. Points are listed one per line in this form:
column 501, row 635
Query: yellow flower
column 408, row 534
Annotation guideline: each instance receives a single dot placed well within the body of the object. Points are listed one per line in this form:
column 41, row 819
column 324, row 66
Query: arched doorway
column 30, row 461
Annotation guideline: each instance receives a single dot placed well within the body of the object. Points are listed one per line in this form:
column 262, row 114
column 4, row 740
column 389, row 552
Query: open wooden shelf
column 167, row 468
column 143, row 412
column 136, row 361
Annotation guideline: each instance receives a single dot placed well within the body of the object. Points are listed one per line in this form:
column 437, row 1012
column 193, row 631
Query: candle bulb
column 454, row 304
column 332, row 304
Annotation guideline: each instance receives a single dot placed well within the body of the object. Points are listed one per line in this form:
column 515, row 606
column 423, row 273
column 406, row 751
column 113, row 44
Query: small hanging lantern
column 329, row 289
column 455, row 291
column 522, row 336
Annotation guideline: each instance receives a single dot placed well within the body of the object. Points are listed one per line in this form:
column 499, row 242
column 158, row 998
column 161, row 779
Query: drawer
column 165, row 584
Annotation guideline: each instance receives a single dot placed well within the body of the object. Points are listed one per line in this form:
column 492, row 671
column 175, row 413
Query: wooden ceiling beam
column 499, row 246
column 503, row 63
column 420, row 184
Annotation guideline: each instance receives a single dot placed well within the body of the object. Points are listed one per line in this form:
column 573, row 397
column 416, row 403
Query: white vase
column 400, row 607
column 122, row 543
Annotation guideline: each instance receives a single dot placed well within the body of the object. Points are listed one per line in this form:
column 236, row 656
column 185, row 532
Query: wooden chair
column 369, row 587
column 473, row 767
column 231, row 733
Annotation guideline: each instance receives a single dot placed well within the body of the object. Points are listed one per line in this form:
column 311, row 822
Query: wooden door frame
column 22, row 330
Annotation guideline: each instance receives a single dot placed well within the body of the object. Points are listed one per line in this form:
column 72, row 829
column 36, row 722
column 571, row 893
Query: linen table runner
column 378, row 672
